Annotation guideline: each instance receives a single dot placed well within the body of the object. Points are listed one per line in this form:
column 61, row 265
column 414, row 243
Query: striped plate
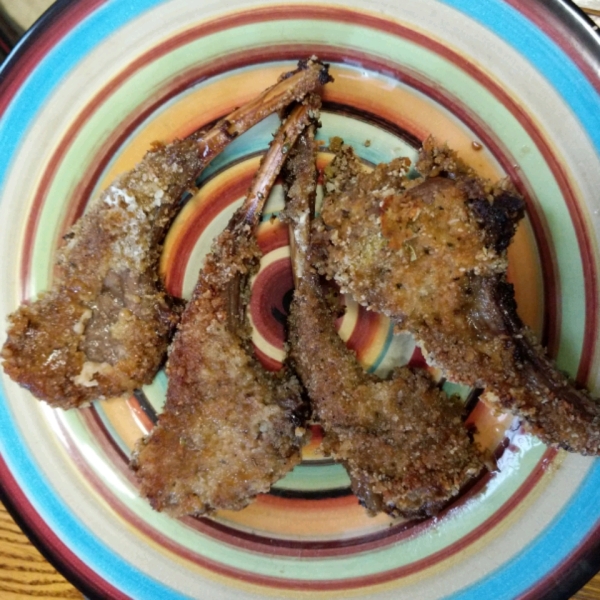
column 511, row 84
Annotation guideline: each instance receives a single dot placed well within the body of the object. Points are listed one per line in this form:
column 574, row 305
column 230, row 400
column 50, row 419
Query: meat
column 430, row 252
column 103, row 328
column 402, row 440
column 229, row 428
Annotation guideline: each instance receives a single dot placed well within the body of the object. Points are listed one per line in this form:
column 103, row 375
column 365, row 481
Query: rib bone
column 431, row 254
column 229, row 427
column 402, row 440
column 103, row 328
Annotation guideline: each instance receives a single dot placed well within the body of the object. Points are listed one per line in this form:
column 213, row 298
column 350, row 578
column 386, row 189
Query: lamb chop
column 402, row 440
column 431, row 254
column 229, row 428
column 103, row 328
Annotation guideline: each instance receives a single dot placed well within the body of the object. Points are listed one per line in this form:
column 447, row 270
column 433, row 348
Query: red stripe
column 202, row 218
column 57, row 24
column 256, row 542
column 349, row 546
column 268, row 363
column 83, row 191
column 144, row 422
column 551, row 24
column 4, row 47
column 366, row 20
column 273, row 237
column 551, row 324
column 366, row 328
column 216, row 530
column 49, row 542
column 329, row 54
column 268, row 292
column 293, row 584
column 229, row 535
column 555, row 29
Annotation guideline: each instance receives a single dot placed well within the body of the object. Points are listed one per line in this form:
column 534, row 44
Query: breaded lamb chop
column 431, row 254
column 103, row 328
column 229, row 428
column 402, row 440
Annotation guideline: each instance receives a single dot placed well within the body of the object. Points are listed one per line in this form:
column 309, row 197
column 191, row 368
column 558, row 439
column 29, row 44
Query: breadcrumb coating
column 430, row 252
column 229, row 428
column 104, row 326
column 402, row 440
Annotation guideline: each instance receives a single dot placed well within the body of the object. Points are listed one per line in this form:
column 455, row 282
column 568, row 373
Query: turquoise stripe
column 386, row 346
column 548, row 58
column 547, row 552
column 55, row 513
column 569, row 530
column 61, row 60
column 509, row 580
column 13, row 128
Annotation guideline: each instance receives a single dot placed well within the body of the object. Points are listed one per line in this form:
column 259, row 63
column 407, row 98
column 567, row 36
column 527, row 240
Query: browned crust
column 229, row 427
column 104, row 326
column 402, row 440
column 227, row 431
column 449, row 288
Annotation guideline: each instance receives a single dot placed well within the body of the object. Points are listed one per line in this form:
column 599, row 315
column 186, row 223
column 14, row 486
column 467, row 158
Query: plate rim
column 581, row 565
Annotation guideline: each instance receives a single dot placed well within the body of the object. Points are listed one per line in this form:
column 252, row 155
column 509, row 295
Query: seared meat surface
column 402, row 440
column 230, row 428
column 103, row 328
column 430, row 253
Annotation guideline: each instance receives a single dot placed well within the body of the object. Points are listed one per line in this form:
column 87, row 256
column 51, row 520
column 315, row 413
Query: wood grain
column 591, row 591
column 24, row 572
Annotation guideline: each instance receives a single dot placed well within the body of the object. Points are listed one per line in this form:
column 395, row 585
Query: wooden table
column 24, row 572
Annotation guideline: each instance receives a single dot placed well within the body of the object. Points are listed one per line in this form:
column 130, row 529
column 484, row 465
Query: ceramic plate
column 512, row 85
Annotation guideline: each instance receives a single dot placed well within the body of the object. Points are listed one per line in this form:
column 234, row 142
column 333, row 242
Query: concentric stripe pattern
column 175, row 67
